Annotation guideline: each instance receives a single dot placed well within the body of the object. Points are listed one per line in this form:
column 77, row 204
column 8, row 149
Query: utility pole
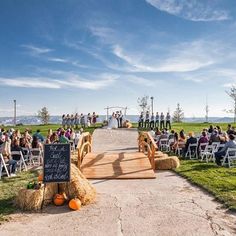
column 14, row 112
column 152, row 102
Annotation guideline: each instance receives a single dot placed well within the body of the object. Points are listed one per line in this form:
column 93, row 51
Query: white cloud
column 138, row 80
column 183, row 57
column 71, row 81
column 193, row 10
column 36, row 50
column 56, row 59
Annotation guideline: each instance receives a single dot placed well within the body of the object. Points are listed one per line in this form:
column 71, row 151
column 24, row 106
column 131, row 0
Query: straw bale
column 79, row 187
column 167, row 163
column 31, row 199
column 160, row 154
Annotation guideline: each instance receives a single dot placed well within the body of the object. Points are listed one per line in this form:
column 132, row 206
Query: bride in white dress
column 113, row 123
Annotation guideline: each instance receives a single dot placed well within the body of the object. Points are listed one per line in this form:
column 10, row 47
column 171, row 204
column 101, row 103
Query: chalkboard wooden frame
column 51, row 155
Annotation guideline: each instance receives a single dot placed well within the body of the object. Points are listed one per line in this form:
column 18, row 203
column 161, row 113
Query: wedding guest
column 72, row 121
column 140, row 121
column 36, row 143
column 27, row 136
column 76, row 120
column 215, row 138
column 16, row 147
column 62, row 138
column 157, row 120
column 190, row 140
column 152, row 124
column 152, row 132
column 94, row 119
column 121, row 119
column 168, row 118
column 38, row 135
column 224, row 138
column 162, row 121
column 67, row 133
column 89, row 119
column 82, row 120
column 203, row 139
column 158, row 132
column 220, row 154
column 54, row 138
column 210, row 130
column 63, row 121
column 68, row 121
column 147, row 119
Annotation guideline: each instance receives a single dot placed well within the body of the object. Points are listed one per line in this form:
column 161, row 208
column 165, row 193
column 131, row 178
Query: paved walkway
column 167, row 205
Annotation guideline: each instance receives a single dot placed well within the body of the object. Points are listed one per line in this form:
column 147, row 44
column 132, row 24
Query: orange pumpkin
column 40, row 178
column 59, row 199
column 75, row 204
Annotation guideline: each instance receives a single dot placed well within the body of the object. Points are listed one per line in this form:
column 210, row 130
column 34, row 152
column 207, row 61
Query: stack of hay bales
column 79, row 187
column 165, row 162
column 34, row 199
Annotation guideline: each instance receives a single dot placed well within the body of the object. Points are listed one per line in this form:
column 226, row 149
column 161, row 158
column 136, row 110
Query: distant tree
column 143, row 103
column 232, row 94
column 178, row 115
column 44, row 115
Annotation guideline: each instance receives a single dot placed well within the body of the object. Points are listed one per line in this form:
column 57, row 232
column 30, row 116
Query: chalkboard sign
column 56, row 167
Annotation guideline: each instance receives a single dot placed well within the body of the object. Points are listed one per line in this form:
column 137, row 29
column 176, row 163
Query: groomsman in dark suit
column 152, row 121
column 147, row 120
column 162, row 122
column 140, row 121
column 157, row 120
column 121, row 119
column 168, row 120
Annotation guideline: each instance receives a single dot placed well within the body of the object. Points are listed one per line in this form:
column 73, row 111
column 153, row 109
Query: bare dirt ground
column 167, row 205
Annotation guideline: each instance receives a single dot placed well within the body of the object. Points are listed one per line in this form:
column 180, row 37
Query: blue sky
column 84, row 55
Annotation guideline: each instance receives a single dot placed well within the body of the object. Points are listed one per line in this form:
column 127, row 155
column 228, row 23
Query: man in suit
column 162, row 121
column 147, row 120
column 120, row 119
column 157, row 120
column 140, row 121
column 168, row 120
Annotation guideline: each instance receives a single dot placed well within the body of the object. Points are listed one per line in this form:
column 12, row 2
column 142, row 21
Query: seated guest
column 36, row 143
column 203, row 139
column 220, row 154
column 39, row 136
column 190, row 140
column 224, row 138
column 54, row 138
column 27, row 136
column 210, row 130
column 219, row 129
column 171, row 135
column 63, row 138
column 229, row 129
column 214, row 137
column 158, row 132
column 16, row 147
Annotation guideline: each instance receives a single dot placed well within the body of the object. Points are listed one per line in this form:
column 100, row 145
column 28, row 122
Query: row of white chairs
column 27, row 157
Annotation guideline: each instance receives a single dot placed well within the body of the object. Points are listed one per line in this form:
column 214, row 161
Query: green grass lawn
column 44, row 128
column 195, row 127
column 220, row 181
column 9, row 188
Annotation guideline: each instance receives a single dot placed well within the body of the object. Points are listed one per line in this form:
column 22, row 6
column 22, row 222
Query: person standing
column 157, row 120
column 162, row 121
column 72, row 121
column 89, row 119
column 94, row 119
column 152, row 121
column 140, row 121
column 63, row 121
column 147, row 119
column 168, row 120
column 82, row 120
column 76, row 120
column 121, row 119
column 68, row 121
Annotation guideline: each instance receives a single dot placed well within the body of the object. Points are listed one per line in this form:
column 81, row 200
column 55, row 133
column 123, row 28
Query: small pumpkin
column 40, row 178
column 59, row 199
column 75, row 204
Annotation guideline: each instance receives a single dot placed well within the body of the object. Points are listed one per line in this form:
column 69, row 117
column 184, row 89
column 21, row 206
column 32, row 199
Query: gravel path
column 167, row 205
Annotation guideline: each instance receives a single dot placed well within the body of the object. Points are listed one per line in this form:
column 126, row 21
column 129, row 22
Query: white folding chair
column 3, row 165
column 180, row 147
column 36, row 156
column 21, row 161
column 192, row 151
column 208, row 153
column 231, row 157
column 164, row 144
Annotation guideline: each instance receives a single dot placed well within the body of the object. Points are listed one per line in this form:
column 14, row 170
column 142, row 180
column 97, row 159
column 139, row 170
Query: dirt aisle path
column 167, row 205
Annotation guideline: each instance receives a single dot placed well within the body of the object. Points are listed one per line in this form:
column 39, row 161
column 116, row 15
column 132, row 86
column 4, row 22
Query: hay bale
column 32, row 199
column 167, row 163
column 78, row 187
column 160, row 154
